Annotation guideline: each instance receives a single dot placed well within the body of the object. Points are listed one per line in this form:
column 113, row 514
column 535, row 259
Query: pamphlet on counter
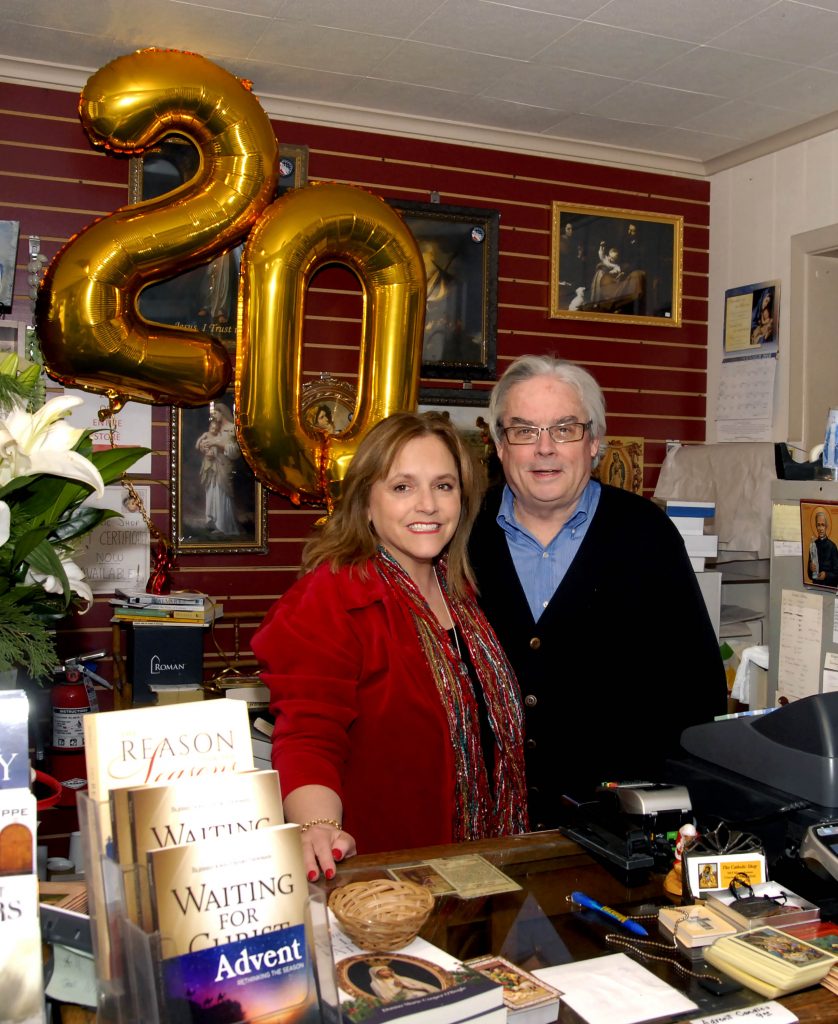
column 466, row 877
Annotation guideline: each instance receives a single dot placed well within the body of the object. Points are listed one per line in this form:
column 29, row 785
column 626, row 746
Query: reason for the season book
column 143, row 746
column 147, row 746
column 228, row 890
column 194, row 811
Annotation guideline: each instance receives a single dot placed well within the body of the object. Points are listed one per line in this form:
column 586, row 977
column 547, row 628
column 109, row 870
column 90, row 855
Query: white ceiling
column 683, row 85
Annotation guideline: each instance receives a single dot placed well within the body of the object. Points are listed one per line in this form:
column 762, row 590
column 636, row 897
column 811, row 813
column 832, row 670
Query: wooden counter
column 538, row 926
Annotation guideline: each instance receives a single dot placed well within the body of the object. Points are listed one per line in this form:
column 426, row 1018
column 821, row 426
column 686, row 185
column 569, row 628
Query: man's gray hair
column 526, row 368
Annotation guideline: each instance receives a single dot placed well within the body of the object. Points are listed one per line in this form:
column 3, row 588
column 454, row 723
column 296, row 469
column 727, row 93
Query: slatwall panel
column 54, row 183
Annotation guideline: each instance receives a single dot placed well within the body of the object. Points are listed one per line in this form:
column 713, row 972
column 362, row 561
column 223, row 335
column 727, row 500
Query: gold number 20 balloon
column 91, row 333
column 301, row 231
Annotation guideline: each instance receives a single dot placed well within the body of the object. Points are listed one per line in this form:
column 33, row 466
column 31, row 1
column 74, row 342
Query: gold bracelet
column 320, row 821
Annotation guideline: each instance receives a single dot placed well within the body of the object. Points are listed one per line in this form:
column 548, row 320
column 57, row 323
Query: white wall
column 755, row 209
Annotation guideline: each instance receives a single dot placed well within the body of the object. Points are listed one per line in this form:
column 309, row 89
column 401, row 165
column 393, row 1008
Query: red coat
column 357, row 709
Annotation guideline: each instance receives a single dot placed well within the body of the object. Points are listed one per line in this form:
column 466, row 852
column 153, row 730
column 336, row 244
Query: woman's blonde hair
column 348, row 537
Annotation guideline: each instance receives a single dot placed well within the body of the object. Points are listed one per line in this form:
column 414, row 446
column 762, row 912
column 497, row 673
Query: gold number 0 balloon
column 324, row 223
column 91, row 333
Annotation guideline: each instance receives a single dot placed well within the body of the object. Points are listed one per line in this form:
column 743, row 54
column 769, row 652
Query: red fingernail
column 329, row 873
column 337, row 854
column 312, row 876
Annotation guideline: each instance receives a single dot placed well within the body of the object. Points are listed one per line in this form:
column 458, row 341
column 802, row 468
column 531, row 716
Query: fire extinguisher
column 73, row 697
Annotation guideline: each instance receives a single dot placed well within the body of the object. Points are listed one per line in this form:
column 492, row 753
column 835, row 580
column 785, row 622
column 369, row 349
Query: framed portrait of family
column 218, row 505
column 205, row 297
column 619, row 266
column 459, row 247
column 818, row 533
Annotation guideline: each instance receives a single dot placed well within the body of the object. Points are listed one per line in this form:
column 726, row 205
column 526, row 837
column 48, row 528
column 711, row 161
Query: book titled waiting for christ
column 194, row 811
column 232, row 920
column 227, row 890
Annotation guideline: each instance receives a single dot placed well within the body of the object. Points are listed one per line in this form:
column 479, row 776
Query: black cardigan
column 623, row 658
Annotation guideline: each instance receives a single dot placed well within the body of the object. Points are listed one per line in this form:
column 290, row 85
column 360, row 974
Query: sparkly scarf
column 478, row 813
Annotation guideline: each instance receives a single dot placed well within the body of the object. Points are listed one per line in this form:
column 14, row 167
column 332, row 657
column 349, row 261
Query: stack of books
column 182, row 609
column 208, row 863
column 418, row 984
column 689, row 519
column 770, row 961
column 823, row 934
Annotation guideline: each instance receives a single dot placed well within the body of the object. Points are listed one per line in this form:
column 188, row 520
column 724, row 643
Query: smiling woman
column 397, row 714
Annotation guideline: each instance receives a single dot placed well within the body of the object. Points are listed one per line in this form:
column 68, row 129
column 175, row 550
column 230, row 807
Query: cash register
column 776, row 775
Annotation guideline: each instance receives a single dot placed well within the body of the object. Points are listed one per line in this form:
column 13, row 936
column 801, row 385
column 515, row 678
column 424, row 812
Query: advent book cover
column 234, row 936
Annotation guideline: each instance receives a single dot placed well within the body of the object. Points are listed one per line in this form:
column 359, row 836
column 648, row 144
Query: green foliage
column 25, row 641
column 42, row 518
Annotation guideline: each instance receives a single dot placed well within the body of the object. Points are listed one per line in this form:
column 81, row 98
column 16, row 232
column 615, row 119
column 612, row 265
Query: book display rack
column 282, row 973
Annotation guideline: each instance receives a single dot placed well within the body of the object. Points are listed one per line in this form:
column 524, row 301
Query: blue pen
column 615, row 915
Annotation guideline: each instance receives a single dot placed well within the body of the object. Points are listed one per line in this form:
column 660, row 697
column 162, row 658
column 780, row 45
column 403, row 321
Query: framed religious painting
column 819, row 532
column 205, row 297
column 459, row 247
column 618, row 266
column 752, row 319
column 468, row 411
column 621, row 463
column 218, row 505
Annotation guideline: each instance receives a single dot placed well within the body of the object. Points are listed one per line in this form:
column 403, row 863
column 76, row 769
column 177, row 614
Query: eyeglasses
column 560, row 433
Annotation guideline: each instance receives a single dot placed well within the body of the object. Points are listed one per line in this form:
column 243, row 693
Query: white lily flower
column 52, row 585
column 41, row 442
column 5, row 522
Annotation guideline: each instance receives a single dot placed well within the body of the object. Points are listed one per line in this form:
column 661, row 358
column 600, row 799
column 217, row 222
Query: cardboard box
column 158, row 655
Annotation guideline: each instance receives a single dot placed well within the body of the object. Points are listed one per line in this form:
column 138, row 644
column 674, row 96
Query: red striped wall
column 54, row 183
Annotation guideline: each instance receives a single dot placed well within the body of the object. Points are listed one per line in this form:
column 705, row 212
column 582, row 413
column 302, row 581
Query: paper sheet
column 765, row 1013
column 614, row 990
column 745, row 404
column 798, row 668
column 785, row 523
column 73, row 977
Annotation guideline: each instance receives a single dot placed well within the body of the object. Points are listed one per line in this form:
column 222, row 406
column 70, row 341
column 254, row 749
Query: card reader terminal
column 819, row 848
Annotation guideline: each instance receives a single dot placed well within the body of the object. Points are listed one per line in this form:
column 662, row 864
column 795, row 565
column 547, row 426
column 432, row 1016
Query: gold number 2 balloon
column 91, row 333
column 301, row 231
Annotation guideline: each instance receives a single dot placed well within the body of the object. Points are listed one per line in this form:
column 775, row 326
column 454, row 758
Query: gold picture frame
column 616, row 266
column 205, row 297
column 459, row 247
column 218, row 506
column 818, row 548
column 621, row 464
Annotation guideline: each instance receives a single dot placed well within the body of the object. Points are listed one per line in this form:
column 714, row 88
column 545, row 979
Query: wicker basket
column 381, row 914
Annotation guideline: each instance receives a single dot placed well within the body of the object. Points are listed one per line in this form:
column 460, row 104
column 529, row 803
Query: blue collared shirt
column 541, row 569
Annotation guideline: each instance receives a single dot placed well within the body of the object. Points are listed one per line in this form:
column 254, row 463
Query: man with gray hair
column 592, row 595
